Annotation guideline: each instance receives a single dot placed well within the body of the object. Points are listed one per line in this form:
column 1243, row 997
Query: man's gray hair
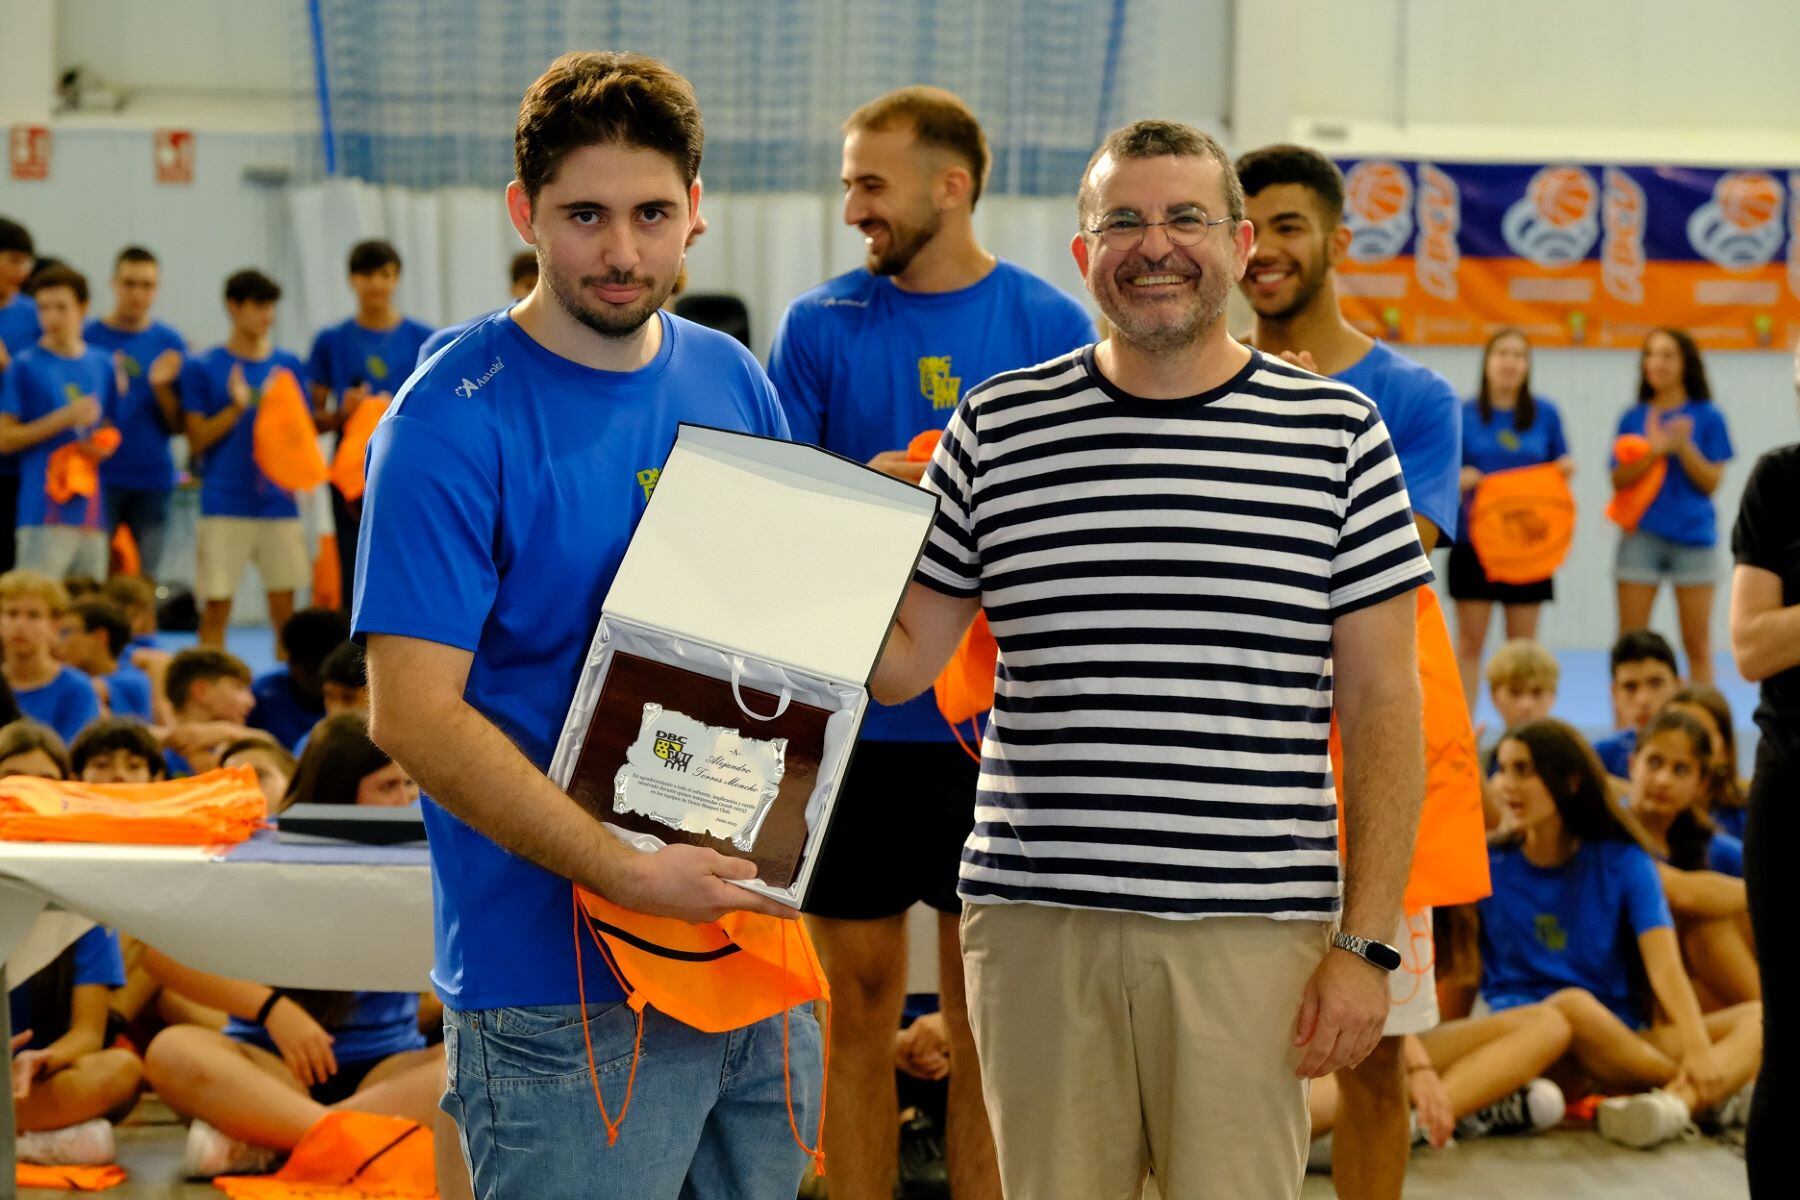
column 1162, row 139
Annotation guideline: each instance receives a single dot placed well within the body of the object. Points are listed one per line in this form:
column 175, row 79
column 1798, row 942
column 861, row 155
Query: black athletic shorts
column 1469, row 582
column 343, row 1085
column 898, row 831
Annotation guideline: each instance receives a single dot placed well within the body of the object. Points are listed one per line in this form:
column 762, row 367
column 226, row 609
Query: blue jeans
column 708, row 1117
column 146, row 512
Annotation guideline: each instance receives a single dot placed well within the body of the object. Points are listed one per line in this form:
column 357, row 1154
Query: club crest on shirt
column 130, row 366
column 1509, row 440
column 376, row 368
column 1550, row 932
column 647, row 480
column 937, row 384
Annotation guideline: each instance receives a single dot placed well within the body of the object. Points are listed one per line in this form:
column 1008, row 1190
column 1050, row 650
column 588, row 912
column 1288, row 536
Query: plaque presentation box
column 720, row 698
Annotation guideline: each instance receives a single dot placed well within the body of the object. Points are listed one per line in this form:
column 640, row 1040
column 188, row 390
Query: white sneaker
column 89, row 1144
column 1733, row 1112
column 211, row 1153
column 1532, row 1109
column 1645, row 1120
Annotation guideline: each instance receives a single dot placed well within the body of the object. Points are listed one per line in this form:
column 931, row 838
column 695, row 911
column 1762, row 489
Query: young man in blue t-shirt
column 18, row 331
column 290, row 698
column 140, row 478
column 864, row 363
column 47, row 690
column 55, row 400
column 1294, row 196
column 245, row 517
column 96, row 634
column 504, row 484
column 363, row 357
column 1645, row 676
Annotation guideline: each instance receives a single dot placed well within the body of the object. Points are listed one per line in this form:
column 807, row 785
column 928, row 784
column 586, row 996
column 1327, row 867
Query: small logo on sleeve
column 468, row 387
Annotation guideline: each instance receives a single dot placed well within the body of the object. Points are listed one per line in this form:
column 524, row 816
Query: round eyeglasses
column 1125, row 232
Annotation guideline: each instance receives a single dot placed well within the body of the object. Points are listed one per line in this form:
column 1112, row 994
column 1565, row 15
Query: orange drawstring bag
column 328, row 574
column 965, row 690
column 348, row 1156
column 353, row 446
column 71, row 473
column 714, row 976
column 68, row 1179
column 221, row 807
column 285, row 441
column 1629, row 504
column 1521, row 523
column 125, row 557
column 1450, row 859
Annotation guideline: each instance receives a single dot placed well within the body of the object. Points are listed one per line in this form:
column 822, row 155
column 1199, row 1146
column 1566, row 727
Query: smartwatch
column 1378, row 954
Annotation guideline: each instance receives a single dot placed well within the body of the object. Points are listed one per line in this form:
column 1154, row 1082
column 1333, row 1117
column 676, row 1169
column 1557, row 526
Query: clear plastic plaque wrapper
column 728, row 675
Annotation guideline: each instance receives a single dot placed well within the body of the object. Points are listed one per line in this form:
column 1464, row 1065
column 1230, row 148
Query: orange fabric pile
column 348, row 1156
column 68, row 1179
column 219, row 807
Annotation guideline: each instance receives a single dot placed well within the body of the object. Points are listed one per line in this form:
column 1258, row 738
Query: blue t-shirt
column 1615, row 751
column 450, row 333
column 128, row 692
column 1732, row 820
column 1725, row 854
column 177, row 766
column 1424, row 418
column 1548, row 928
column 66, row 704
column 19, row 331
column 281, row 710
column 38, row 383
column 504, row 484
column 1500, row 445
column 1682, row 512
column 231, row 484
column 863, row 367
column 143, row 459
column 377, row 1025
column 348, row 353
column 98, row 961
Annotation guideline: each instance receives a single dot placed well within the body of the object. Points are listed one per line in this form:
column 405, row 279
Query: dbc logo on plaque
column 1741, row 227
column 1378, row 209
column 1557, row 221
column 672, row 749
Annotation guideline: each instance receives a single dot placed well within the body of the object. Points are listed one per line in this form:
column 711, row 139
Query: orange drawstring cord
column 612, row 1126
column 816, row 1152
column 974, row 731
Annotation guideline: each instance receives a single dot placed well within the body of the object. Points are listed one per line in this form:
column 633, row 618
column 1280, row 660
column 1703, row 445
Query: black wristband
column 276, row 995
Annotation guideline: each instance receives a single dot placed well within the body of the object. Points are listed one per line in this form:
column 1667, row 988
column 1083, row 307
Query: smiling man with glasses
column 1184, row 549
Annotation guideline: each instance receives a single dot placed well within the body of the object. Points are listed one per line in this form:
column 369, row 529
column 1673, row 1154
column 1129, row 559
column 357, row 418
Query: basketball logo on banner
column 1557, row 221
column 1378, row 209
column 1622, row 250
column 1436, row 259
column 1741, row 228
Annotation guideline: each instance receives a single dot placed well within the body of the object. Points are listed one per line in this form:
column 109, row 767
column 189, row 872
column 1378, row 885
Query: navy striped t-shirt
column 1162, row 577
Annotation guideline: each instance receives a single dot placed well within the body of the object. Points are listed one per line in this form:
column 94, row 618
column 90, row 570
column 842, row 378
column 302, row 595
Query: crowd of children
column 252, row 1066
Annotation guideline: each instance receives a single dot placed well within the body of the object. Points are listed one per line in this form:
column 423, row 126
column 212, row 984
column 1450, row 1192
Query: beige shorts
column 1413, row 988
column 1116, row 1044
column 276, row 547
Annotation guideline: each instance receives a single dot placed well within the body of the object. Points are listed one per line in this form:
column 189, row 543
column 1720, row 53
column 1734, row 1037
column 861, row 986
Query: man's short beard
column 1310, row 285
column 618, row 327
column 1208, row 310
column 907, row 244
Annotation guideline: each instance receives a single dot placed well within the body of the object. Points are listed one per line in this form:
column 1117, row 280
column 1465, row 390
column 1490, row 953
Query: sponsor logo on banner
column 1436, row 257
column 1557, row 221
column 1794, row 233
column 1378, row 209
column 1622, row 250
column 1741, row 227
